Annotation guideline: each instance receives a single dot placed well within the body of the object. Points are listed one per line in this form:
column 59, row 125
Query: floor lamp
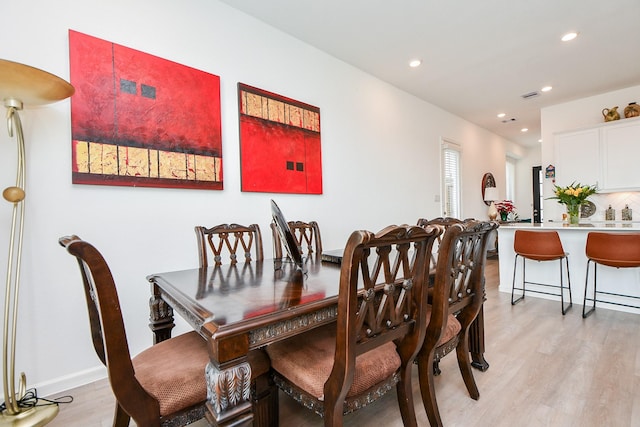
column 21, row 85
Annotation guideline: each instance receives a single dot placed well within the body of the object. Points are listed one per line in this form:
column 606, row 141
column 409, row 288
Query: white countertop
column 584, row 225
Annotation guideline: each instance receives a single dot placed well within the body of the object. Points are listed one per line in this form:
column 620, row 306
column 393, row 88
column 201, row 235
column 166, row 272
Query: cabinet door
column 621, row 156
column 578, row 158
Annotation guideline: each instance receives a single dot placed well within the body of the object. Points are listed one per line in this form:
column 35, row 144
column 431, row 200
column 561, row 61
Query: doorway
column 537, row 194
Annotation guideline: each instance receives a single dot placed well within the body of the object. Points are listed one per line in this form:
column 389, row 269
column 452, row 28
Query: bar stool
column 540, row 246
column 619, row 250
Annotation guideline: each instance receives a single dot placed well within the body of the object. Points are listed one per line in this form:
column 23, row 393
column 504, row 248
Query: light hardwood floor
column 546, row 370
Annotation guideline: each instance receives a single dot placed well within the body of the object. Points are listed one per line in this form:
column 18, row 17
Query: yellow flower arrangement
column 573, row 196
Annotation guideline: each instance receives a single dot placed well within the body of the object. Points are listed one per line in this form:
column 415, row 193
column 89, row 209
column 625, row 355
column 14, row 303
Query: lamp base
column 493, row 212
column 32, row 417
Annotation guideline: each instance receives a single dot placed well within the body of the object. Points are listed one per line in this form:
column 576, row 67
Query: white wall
column 575, row 115
column 380, row 149
column 524, row 183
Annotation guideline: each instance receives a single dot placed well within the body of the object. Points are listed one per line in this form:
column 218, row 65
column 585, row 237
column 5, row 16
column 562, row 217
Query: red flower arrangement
column 505, row 207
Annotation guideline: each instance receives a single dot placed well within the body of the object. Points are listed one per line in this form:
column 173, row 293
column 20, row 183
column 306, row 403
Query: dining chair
column 380, row 319
column 456, row 300
column 306, row 235
column 443, row 223
column 230, row 238
column 540, row 246
column 164, row 385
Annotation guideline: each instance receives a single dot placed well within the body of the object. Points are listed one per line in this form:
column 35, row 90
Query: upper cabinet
column 605, row 155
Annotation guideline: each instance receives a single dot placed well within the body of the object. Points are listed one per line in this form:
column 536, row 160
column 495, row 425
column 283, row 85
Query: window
column 451, row 179
column 510, row 175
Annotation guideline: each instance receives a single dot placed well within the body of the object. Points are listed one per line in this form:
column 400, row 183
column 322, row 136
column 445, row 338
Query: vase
column 504, row 216
column 573, row 210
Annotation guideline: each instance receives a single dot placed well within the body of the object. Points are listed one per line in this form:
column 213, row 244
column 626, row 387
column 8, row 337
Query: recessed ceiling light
column 569, row 36
column 546, row 88
column 524, row 130
column 501, row 115
column 415, row 63
column 540, row 140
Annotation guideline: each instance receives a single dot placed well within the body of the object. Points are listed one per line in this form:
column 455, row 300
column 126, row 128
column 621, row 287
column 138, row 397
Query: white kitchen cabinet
column 605, row 155
column 578, row 158
column 620, row 156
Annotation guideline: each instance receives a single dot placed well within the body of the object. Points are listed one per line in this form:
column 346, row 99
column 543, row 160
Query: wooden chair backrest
column 442, row 222
column 459, row 280
column 107, row 328
column 383, row 297
column 230, row 239
column 306, row 235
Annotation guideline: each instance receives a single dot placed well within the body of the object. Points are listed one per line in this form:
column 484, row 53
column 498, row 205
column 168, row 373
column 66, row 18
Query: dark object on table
column 305, row 234
column 333, row 256
column 286, row 236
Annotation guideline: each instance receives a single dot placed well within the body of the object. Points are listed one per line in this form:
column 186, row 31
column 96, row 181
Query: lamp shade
column 491, row 194
column 31, row 85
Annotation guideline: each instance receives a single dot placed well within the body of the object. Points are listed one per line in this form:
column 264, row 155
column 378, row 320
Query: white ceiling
column 479, row 56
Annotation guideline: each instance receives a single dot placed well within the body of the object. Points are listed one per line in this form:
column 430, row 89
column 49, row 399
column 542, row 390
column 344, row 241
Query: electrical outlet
column 436, row 198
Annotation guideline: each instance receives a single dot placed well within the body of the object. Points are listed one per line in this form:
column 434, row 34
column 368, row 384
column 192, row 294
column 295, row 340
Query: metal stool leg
column 565, row 309
column 513, row 283
column 586, row 282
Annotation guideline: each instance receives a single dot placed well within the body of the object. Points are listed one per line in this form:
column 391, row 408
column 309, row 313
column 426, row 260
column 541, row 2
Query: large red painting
column 279, row 143
column 140, row 120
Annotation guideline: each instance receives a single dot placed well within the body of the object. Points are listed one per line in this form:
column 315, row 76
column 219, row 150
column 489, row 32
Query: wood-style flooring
column 546, row 370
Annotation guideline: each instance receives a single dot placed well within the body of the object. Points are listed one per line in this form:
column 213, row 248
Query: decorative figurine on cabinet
column 611, row 114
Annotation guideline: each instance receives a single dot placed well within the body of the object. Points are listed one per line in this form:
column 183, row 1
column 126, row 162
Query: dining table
column 241, row 308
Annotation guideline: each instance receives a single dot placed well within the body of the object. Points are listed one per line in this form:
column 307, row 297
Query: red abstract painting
column 279, row 143
column 140, row 120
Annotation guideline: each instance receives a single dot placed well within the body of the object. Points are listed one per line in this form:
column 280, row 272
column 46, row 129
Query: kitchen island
column 623, row 281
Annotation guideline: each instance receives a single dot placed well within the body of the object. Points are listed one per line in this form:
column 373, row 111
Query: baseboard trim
column 68, row 382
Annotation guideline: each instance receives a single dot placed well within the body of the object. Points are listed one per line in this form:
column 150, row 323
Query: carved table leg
column 476, row 342
column 160, row 316
column 229, row 394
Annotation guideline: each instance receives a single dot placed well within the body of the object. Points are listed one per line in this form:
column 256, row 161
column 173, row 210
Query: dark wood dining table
column 243, row 307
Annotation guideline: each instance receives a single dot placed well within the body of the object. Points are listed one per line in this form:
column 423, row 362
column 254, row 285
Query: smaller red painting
column 280, row 148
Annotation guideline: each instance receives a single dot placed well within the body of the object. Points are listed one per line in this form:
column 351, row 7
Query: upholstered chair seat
column 173, row 372
column 317, row 348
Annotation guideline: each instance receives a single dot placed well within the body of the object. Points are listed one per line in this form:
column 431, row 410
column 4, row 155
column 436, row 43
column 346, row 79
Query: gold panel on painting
column 133, row 161
column 172, row 165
